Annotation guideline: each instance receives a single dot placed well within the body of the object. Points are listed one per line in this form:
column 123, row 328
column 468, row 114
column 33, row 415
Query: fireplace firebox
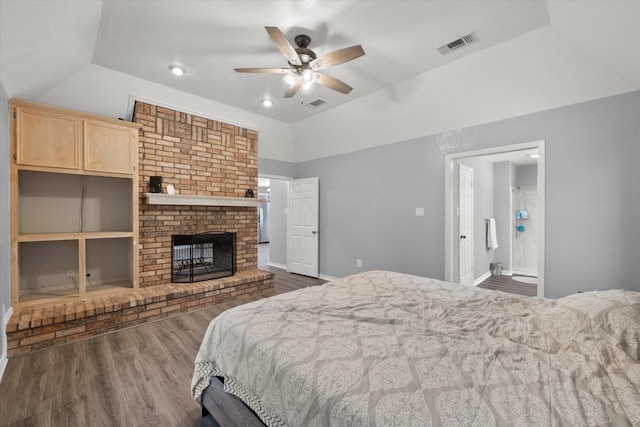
column 204, row 256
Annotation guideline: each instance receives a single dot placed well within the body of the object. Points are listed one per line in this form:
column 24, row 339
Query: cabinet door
column 46, row 139
column 108, row 148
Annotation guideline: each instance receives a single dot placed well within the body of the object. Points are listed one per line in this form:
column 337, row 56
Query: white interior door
column 302, row 257
column 465, row 224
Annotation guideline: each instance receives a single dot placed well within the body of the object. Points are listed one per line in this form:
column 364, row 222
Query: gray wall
column 5, row 262
column 368, row 198
column 526, row 176
column 276, row 167
column 367, row 209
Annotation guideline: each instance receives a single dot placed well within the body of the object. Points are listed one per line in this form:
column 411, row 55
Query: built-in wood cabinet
column 46, row 138
column 74, row 204
column 108, row 148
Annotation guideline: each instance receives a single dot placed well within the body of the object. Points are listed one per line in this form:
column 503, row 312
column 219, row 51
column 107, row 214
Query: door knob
column 314, row 232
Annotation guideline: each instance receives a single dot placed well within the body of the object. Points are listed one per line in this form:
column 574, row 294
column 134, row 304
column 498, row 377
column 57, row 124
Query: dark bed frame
column 226, row 409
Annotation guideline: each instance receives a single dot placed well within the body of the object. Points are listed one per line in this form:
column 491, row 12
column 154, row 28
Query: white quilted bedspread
column 389, row 349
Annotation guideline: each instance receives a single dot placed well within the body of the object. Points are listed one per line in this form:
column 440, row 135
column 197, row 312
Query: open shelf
column 72, row 236
column 108, row 263
column 48, row 269
column 67, row 203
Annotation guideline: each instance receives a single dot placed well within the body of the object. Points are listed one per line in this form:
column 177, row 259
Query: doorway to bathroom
column 509, row 186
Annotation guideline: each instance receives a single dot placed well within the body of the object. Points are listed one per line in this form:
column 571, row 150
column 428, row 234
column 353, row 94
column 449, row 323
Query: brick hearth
column 41, row 327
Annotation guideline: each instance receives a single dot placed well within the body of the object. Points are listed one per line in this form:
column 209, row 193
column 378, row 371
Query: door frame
column 470, row 241
column 450, row 214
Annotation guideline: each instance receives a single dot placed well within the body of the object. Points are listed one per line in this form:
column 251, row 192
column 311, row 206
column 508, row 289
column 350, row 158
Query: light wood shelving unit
column 74, row 204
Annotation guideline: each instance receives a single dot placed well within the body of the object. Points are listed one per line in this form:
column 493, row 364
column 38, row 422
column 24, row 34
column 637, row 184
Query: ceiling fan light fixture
column 177, row 70
column 290, row 79
column 308, row 76
column 307, row 86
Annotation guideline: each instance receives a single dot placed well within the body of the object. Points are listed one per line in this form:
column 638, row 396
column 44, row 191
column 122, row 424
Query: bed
column 389, row 349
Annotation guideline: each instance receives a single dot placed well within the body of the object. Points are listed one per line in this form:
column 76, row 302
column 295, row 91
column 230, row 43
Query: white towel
column 492, row 240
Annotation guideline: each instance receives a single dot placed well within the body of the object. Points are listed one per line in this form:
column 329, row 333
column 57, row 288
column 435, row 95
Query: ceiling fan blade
column 293, row 89
column 283, row 44
column 337, row 57
column 333, row 83
column 263, row 70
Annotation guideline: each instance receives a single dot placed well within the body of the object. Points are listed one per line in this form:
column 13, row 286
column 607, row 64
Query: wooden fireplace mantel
column 193, row 200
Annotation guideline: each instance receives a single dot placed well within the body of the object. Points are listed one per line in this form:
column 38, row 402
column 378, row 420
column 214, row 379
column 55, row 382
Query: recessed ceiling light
column 267, row 102
column 177, row 70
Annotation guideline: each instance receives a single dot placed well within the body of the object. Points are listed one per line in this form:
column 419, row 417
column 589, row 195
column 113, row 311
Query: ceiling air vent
column 315, row 104
column 456, row 44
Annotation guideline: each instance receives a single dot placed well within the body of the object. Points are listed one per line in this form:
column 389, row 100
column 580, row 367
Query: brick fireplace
column 199, row 157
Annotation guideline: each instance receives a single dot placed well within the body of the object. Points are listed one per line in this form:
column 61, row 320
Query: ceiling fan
column 304, row 64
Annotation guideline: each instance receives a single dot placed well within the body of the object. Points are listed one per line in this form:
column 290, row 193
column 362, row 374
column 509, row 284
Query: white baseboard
column 482, row 278
column 3, row 336
column 284, row 267
column 524, row 273
column 276, row 265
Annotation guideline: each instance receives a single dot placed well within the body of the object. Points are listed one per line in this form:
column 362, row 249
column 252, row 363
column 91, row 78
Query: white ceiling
column 42, row 44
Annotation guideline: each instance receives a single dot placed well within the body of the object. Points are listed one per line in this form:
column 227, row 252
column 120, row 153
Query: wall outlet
column 419, row 211
column 359, row 263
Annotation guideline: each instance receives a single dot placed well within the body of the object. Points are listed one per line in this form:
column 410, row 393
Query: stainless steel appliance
column 263, row 219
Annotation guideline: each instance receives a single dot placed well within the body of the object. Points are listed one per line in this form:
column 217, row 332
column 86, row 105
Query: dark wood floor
column 507, row 284
column 135, row 377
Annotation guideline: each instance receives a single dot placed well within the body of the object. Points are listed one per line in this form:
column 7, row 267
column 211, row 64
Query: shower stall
column 524, row 252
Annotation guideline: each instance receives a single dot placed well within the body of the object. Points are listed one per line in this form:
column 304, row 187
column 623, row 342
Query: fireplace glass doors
column 205, row 256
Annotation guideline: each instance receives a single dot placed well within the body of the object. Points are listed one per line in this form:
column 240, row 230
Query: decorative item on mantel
column 249, row 193
column 155, row 184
